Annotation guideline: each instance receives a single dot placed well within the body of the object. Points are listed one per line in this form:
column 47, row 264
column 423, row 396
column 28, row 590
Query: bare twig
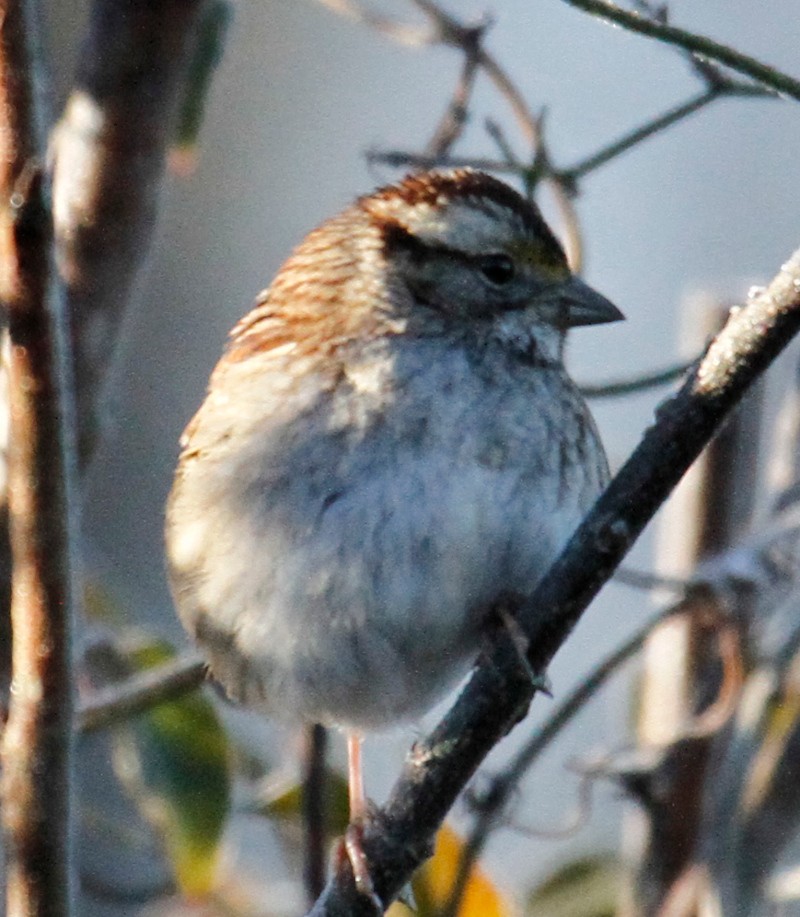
column 446, row 30
column 695, row 44
column 454, row 119
column 398, row 836
column 640, row 383
column 495, row 131
column 463, row 37
column 649, row 581
column 140, row 692
column 712, row 93
column 639, row 134
column 109, row 153
column 37, row 742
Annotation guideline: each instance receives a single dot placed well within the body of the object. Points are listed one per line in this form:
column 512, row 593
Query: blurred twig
column 140, row 692
column 574, row 821
column 454, row 119
column 411, row 35
column 641, row 382
column 109, row 153
column 691, row 664
column 37, row 741
column 752, row 805
column 649, row 581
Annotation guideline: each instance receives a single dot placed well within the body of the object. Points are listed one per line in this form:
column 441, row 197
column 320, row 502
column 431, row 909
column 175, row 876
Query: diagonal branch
column 398, row 837
column 491, row 804
column 643, row 132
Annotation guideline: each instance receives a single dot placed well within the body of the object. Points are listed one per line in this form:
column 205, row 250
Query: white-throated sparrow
column 389, row 444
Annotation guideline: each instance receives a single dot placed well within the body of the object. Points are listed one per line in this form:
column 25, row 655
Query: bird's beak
column 585, row 306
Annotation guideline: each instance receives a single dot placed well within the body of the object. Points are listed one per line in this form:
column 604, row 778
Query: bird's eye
column 497, row 269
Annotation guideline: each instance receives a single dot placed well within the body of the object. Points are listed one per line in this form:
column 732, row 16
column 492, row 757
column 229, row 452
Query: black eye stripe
column 496, row 267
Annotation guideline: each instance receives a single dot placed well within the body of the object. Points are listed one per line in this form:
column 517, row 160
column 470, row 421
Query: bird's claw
column 540, row 682
column 354, row 848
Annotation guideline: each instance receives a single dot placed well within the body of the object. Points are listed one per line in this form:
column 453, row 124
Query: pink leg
column 358, row 810
column 355, row 777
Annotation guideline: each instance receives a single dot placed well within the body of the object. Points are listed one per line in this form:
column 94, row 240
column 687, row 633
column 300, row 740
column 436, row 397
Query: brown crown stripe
column 431, row 187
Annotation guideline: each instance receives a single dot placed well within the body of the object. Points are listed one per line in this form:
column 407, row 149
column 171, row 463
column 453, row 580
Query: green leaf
column 285, row 804
column 211, row 35
column 587, row 887
column 177, row 766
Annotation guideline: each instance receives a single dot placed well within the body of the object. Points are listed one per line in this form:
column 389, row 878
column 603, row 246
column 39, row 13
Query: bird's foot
column 504, row 612
column 352, row 847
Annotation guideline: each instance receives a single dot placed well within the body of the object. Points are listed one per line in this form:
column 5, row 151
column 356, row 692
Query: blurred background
column 709, row 207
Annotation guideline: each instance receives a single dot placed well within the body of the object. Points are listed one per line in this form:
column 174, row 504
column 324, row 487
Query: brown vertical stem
column 705, row 515
column 37, row 744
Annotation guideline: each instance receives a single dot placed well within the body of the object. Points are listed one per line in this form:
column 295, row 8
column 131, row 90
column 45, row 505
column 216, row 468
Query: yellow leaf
column 433, row 883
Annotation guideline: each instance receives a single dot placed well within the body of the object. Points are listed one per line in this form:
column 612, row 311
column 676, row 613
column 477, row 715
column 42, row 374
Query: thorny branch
column 398, row 836
column 37, row 742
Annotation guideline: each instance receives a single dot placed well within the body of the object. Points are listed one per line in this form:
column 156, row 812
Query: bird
column 389, row 445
